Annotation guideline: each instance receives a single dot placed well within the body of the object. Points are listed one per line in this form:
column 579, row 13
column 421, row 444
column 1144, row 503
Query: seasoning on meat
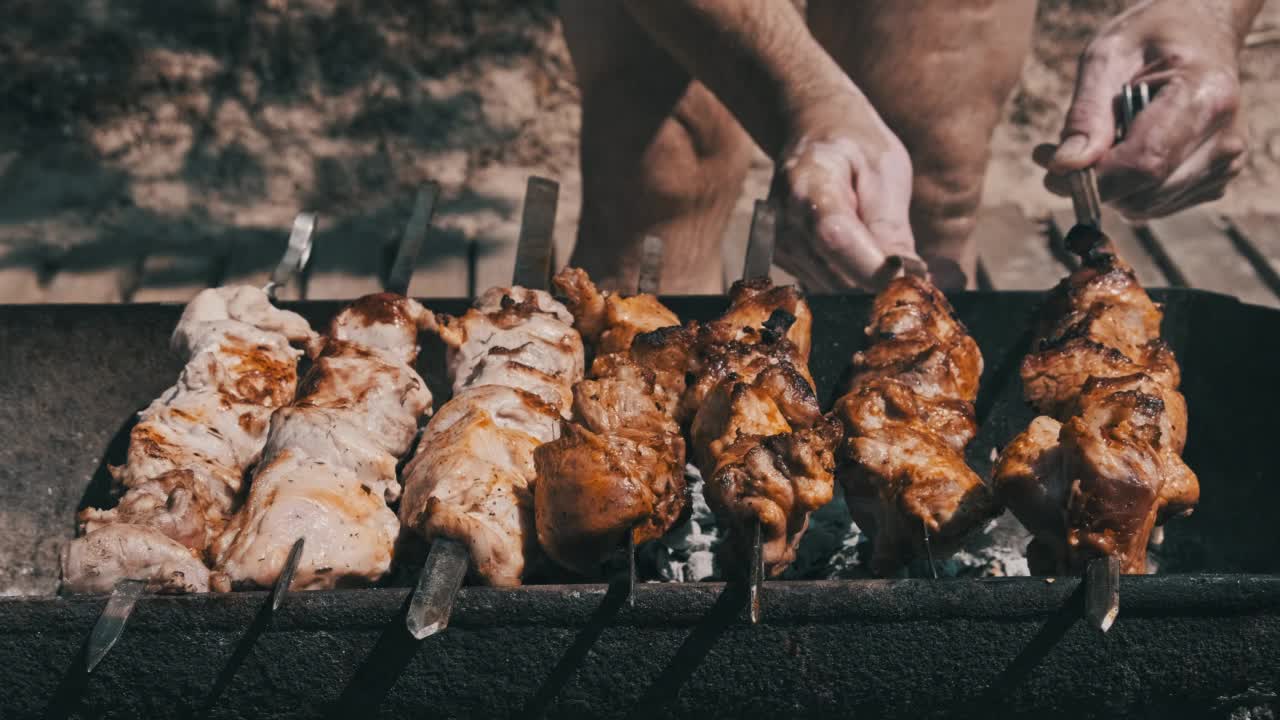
column 908, row 416
column 328, row 470
column 190, row 449
column 756, row 433
column 618, row 467
column 513, row 357
column 1095, row 474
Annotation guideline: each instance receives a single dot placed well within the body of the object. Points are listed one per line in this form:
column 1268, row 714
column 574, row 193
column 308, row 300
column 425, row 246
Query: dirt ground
column 126, row 124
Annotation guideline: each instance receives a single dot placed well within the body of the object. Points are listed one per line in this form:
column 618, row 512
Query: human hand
column 1188, row 143
column 845, row 181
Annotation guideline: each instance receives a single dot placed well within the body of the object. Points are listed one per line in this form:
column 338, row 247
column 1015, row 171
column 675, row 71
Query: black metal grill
column 1201, row 640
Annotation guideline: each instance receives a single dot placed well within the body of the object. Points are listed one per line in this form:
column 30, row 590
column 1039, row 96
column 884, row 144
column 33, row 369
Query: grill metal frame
column 1200, row 642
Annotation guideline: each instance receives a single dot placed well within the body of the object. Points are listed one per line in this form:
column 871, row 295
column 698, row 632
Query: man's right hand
column 845, row 180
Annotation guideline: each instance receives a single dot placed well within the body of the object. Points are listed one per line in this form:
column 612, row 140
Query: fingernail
column 1072, row 148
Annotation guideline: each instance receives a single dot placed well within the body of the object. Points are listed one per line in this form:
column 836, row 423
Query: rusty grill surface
column 1202, row 640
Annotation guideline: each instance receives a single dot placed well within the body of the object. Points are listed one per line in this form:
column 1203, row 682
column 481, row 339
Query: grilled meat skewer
column 190, row 449
column 908, row 416
column 756, row 433
column 619, row 466
column 514, row 357
column 328, row 470
column 1094, row 474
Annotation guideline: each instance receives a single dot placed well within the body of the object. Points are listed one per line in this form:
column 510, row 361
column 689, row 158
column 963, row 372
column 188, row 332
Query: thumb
column 1090, row 127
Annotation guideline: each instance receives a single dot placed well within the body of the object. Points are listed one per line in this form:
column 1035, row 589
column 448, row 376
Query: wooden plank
column 494, row 251
column 348, row 263
column 100, row 271
column 1126, row 240
column 443, row 268
column 176, row 274
column 1257, row 237
column 1015, row 251
column 1197, row 241
column 20, row 274
column 253, row 255
column 1262, row 232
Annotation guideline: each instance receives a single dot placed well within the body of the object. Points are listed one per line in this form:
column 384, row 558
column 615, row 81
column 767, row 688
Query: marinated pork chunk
column 514, row 358
column 908, row 416
column 756, row 433
column 1094, row 475
column 619, row 466
column 328, row 470
column 190, row 449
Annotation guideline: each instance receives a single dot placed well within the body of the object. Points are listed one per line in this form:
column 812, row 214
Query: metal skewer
column 447, row 561
column 760, row 244
column 648, row 279
column 115, row 616
column 296, row 254
column 111, row 622
column 415, row 234
column 281, row 586
column 1102, row 575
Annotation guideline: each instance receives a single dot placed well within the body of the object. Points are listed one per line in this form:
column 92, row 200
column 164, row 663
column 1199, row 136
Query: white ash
column 832, row 547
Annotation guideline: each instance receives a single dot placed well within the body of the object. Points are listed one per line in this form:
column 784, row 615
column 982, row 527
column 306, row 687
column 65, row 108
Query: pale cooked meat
column 1114, row 469
column 472, row 475
column 189, row 451
column 516, row 337
column 619, row 466
column 119, row 551
column 756, row 433
column 328, row 469
column 908, row 416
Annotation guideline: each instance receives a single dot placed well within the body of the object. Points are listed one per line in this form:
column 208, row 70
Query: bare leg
column 660, row 155
column 939, row 72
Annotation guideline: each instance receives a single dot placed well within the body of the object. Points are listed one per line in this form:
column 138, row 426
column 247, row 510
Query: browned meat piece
column 753, row 302
column 764, row 450
column 190, row 449
column 908, row 416
column 472, row 476
column 619, row 467
column 1053, row 378
column 1095, row 479
column 608, row 321
column 329, row 466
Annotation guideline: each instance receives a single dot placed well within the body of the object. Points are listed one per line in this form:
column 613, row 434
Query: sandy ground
column 126, row 124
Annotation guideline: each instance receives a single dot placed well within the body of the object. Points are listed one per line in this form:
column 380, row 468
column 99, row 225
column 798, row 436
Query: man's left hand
column 1187, row 144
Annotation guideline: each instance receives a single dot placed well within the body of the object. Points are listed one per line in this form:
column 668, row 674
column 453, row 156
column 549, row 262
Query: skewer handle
column 535, row 249
column 415, row 235
column 437, row 589
column 296, row 254
column 112, row 621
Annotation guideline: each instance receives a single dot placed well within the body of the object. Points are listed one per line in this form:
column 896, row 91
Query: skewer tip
column 1102, row 592
column 281, row 587
column 756, row 588
column 437, row 588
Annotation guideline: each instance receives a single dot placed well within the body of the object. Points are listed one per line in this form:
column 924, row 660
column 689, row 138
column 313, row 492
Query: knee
column 947, row 193
column 687, row 153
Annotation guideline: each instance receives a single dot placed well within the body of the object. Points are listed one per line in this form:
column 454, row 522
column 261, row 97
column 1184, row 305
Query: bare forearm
column 757, row 56
column 1233, row 16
